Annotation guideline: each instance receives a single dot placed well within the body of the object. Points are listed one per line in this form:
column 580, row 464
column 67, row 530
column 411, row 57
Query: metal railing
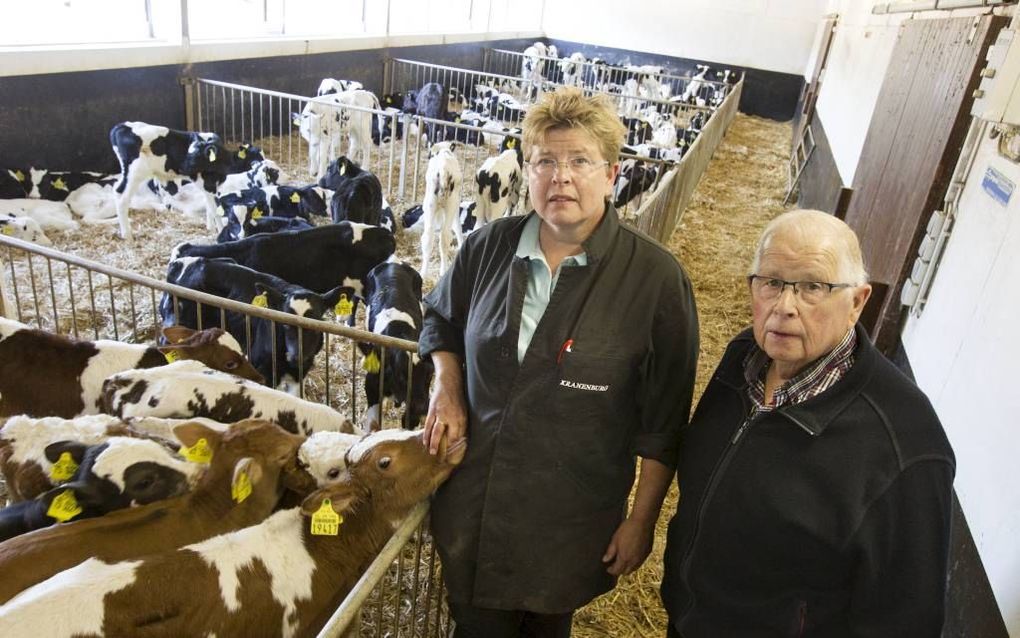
column 588, row 74
column 85, row 299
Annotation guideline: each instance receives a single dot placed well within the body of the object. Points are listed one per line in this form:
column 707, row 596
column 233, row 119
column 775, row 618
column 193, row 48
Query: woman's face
column 570, row 199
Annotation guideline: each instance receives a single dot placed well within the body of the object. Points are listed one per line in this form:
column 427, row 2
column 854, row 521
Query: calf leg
column 129, row 182
column 428, row 236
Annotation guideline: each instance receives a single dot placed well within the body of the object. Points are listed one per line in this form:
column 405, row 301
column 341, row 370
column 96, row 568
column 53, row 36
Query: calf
column 694, row 86
column 393, row 297
column 14, row 183
column 253, row 223
column 48, row 215
column 412, row 217
column 55, row 186
column 499, row 183
column 187, row 389
column 277, row 201
column 262, row 173
column 638, row 130
column 357, row 193
column 329, row 85
column 383, row 127
column 240, row 488
column 442, row 189
column 318, row 259
column 307, row 559
column 46, row 374
column 146, row 151
column 24, row 228
column 27, row 466
column 281, row 353
column 118, row 473
column 635, row 178
column 431, row 101
column 572, row 69
column 322, row 120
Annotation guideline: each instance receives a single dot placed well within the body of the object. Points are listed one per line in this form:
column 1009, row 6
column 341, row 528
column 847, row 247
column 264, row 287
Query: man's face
column 792, row 332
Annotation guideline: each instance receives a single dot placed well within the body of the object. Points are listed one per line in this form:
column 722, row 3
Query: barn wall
column 770, row 94
column 62, row 120
column 771, row 35
column 963, row 350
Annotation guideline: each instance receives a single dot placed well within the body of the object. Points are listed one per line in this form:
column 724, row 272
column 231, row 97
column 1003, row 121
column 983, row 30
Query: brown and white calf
column 188, row 389
column 240, row 488
column 47, row 374
column 277, row 578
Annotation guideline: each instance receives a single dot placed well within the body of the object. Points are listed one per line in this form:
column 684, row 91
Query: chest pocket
column 592, row 386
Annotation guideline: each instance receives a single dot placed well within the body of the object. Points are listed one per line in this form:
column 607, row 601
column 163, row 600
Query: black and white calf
column 14, row 183
column 146, row 151
column 117, row 473
column 323, row 119
column 329, row 85
column 242, row 210
column 635, row 178
column 431, row 101
column 24, row 228
column 499, row 183
column 282, row 353
column 55, row 186
column 393, row 295
column 318, row 259
column 442, row 193
column 357, row 193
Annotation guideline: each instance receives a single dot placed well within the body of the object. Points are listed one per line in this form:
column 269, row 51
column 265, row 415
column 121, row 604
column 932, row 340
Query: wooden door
column 911, row 149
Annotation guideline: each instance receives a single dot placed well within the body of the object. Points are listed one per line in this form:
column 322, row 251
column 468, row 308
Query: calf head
column 309, row 200
column 206, row 154
column 397, row 470
column 253, row 453
column 513, row 144
column 124, row 471
column 300, row 346
column 320, row 460
column 245, row 157
column 214, row 347
column 339, row 171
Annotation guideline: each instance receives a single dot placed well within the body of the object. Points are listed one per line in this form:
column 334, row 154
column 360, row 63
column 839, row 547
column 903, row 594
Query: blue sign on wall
column 997, row 185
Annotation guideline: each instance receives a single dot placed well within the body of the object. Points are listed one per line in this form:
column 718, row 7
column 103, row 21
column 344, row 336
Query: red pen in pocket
column 563, row 349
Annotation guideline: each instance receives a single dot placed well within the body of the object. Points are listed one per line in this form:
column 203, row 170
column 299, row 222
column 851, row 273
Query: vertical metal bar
column 53, row 295
column 70, row 295
column 300, row 362
column 14, row 286
column 428, row 588
column 113, row 308
column 354, row 379
column 156, row 319
column 134, row 317
column 35, row 294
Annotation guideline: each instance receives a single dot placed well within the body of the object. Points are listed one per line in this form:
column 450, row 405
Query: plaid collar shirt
column 815, row 379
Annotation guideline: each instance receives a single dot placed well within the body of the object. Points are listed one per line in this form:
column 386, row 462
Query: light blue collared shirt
column 541, row 282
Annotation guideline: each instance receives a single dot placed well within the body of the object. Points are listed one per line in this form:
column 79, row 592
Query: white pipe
column 935, row 5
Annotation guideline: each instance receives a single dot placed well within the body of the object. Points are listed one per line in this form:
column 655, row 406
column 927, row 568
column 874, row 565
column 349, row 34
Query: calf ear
column 342, row 498
column 341, row 300
column 54, row 450
column 364, row 347
column 189, row 434
column 177, row 334
column 274, row 298
column 247, row 473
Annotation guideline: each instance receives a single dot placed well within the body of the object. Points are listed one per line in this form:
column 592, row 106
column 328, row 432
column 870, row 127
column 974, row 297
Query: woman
column 565, row 345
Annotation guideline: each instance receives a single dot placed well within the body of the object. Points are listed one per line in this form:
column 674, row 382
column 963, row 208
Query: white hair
column 821, row 228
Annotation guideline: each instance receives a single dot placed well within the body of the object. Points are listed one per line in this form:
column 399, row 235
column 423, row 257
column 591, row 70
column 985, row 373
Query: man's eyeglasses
column 578, row 166
column 810, row 292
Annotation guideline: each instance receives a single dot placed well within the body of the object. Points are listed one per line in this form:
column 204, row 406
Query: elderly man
column 816, row 479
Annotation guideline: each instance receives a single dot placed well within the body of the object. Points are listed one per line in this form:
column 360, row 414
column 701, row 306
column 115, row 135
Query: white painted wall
column 964, row 350
column 774, row 35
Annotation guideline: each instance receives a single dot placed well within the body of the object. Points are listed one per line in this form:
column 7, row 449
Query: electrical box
column 997, row 99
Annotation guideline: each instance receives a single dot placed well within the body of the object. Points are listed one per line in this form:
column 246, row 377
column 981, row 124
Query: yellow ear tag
column 200, row 452
column 64, row 507
column 241, row 488
column 326, row 522
column 344, row 307
column 7, row 230
column 295, row 198
column 59, row 184
column 64, row 468
column 241, row 154
column 343, row 168
column 260, row 301
column 256, row 214
column 371, row 363
column 512, row 142
column 19, row 175
column 219, row 209
column 212, row 155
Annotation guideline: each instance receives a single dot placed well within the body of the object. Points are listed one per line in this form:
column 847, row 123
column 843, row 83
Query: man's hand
column 447, row 406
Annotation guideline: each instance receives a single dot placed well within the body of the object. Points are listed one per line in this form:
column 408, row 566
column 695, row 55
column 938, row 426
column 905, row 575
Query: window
column 57, row 22
column 235, row 19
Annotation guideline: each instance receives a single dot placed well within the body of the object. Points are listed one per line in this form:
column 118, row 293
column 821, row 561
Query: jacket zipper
column 802, row 612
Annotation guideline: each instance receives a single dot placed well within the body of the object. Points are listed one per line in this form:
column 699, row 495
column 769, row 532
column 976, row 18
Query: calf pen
column 591, row 75
column 401, row 593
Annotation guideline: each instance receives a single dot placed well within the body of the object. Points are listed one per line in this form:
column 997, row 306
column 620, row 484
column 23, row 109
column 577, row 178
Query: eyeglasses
column 578, row 166
column 810, row 292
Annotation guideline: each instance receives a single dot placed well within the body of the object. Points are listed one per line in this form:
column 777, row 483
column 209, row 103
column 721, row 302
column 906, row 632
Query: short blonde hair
column 569, row 108
column 820, row 227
